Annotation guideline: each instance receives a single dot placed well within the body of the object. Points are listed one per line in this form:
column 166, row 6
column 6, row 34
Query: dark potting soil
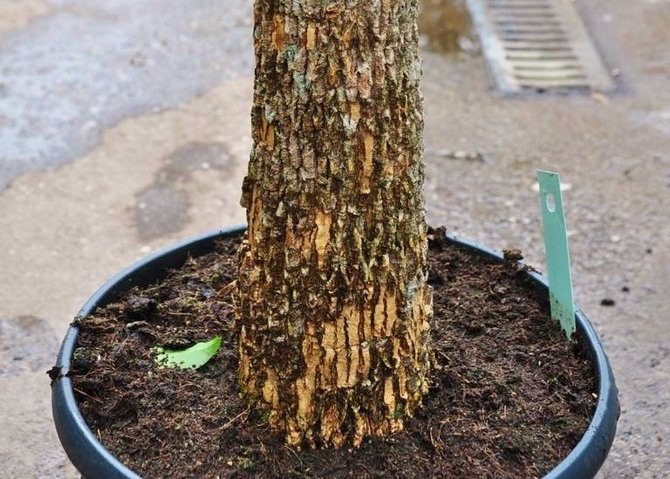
column 510, row 397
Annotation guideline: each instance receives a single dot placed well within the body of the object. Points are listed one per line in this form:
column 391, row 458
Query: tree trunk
column 333, row 306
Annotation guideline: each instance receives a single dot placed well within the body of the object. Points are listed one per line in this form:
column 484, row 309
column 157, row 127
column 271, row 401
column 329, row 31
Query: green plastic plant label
column 556, row 250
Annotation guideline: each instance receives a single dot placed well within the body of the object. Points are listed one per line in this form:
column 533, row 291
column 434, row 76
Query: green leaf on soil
column 192, row 357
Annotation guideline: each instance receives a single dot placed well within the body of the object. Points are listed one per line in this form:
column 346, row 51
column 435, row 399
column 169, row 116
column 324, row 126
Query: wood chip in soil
column 510, row 397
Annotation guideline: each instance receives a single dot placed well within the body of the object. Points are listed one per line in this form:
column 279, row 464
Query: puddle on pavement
column 445, row 26
column 27, row 343
column 93, row 63
column 163, row 207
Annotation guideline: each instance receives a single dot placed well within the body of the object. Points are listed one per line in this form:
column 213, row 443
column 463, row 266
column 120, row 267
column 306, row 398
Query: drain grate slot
column 533, row 45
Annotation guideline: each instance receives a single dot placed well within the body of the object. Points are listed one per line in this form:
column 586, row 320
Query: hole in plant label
column 551, row 202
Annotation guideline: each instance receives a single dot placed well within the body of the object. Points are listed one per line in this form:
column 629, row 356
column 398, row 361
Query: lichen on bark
column 333, row 309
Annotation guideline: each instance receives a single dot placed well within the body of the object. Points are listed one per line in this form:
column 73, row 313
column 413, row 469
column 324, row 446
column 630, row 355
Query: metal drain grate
column 538, row 45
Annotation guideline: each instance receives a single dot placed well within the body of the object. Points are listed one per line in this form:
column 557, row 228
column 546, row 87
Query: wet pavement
column 86, row 65
column 124, row 127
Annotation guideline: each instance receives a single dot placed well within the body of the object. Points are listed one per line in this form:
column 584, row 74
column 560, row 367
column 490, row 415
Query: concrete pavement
column 124, row 127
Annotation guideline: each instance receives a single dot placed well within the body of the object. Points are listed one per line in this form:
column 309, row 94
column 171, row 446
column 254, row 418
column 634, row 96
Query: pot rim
column 92, row 459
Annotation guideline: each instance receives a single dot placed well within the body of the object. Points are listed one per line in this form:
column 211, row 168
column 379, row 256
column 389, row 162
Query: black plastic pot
column 94, row 461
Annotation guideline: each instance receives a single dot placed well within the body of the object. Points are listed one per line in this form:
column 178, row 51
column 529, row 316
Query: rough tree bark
column 333, row 307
